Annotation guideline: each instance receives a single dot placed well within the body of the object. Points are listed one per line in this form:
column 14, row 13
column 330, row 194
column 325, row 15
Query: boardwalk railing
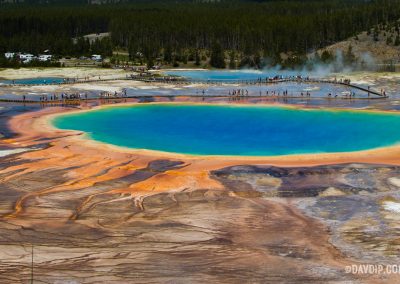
column 180, row 80
column 78, row 101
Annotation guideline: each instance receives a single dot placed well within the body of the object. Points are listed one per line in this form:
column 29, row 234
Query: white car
column 45, row 57
column 96, row 57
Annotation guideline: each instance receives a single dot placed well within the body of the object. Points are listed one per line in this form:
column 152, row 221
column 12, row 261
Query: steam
column 316, row 68
column 364, row 62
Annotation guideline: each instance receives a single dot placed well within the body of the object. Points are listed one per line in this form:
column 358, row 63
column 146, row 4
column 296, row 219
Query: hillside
column 381, row 43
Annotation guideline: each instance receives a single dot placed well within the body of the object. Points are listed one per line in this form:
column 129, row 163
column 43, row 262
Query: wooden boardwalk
column 183, row 81
column 256, row 82
column 233, row 98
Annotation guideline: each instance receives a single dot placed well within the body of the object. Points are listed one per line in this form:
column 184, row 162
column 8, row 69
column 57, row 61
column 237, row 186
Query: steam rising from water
column 315, row 68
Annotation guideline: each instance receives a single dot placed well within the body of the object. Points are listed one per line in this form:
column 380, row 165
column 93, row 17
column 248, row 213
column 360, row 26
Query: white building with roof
column 9, row 55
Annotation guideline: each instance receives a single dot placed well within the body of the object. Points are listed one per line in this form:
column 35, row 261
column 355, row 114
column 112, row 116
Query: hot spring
column 235, row 130
column 204, row 75
column 34, row 81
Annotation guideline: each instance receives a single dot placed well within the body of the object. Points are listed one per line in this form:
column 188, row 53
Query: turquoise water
column 235, row 130
column 204, row 75
column 33, row 81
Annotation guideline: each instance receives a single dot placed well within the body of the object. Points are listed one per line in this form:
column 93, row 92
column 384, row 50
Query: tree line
column 239, row 31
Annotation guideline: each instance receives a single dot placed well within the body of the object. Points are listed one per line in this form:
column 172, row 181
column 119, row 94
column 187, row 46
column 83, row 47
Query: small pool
column 33, row 81
column 235, row 130
column 204, row 75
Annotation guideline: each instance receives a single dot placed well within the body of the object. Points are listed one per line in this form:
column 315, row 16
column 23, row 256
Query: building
column 9, row 55
column 26, row 57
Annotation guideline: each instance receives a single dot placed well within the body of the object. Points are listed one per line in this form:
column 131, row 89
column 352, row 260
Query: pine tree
column 232, row 63
column 397, row 41
column 217, row 59
column 389, row 40
column 349, row 57
column 150, row 63
column 168, row 54
column 197, row 58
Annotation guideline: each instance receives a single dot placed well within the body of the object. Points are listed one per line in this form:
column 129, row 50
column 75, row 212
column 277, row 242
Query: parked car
column 45, row 57
column 96, row 57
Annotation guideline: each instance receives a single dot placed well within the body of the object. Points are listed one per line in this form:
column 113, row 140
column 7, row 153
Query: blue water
column 235, row 130
column 204, row 75
column 33, row 81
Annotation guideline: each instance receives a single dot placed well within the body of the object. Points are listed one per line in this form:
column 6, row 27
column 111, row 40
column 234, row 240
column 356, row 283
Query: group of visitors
column 62, row 97
column 239, row 92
